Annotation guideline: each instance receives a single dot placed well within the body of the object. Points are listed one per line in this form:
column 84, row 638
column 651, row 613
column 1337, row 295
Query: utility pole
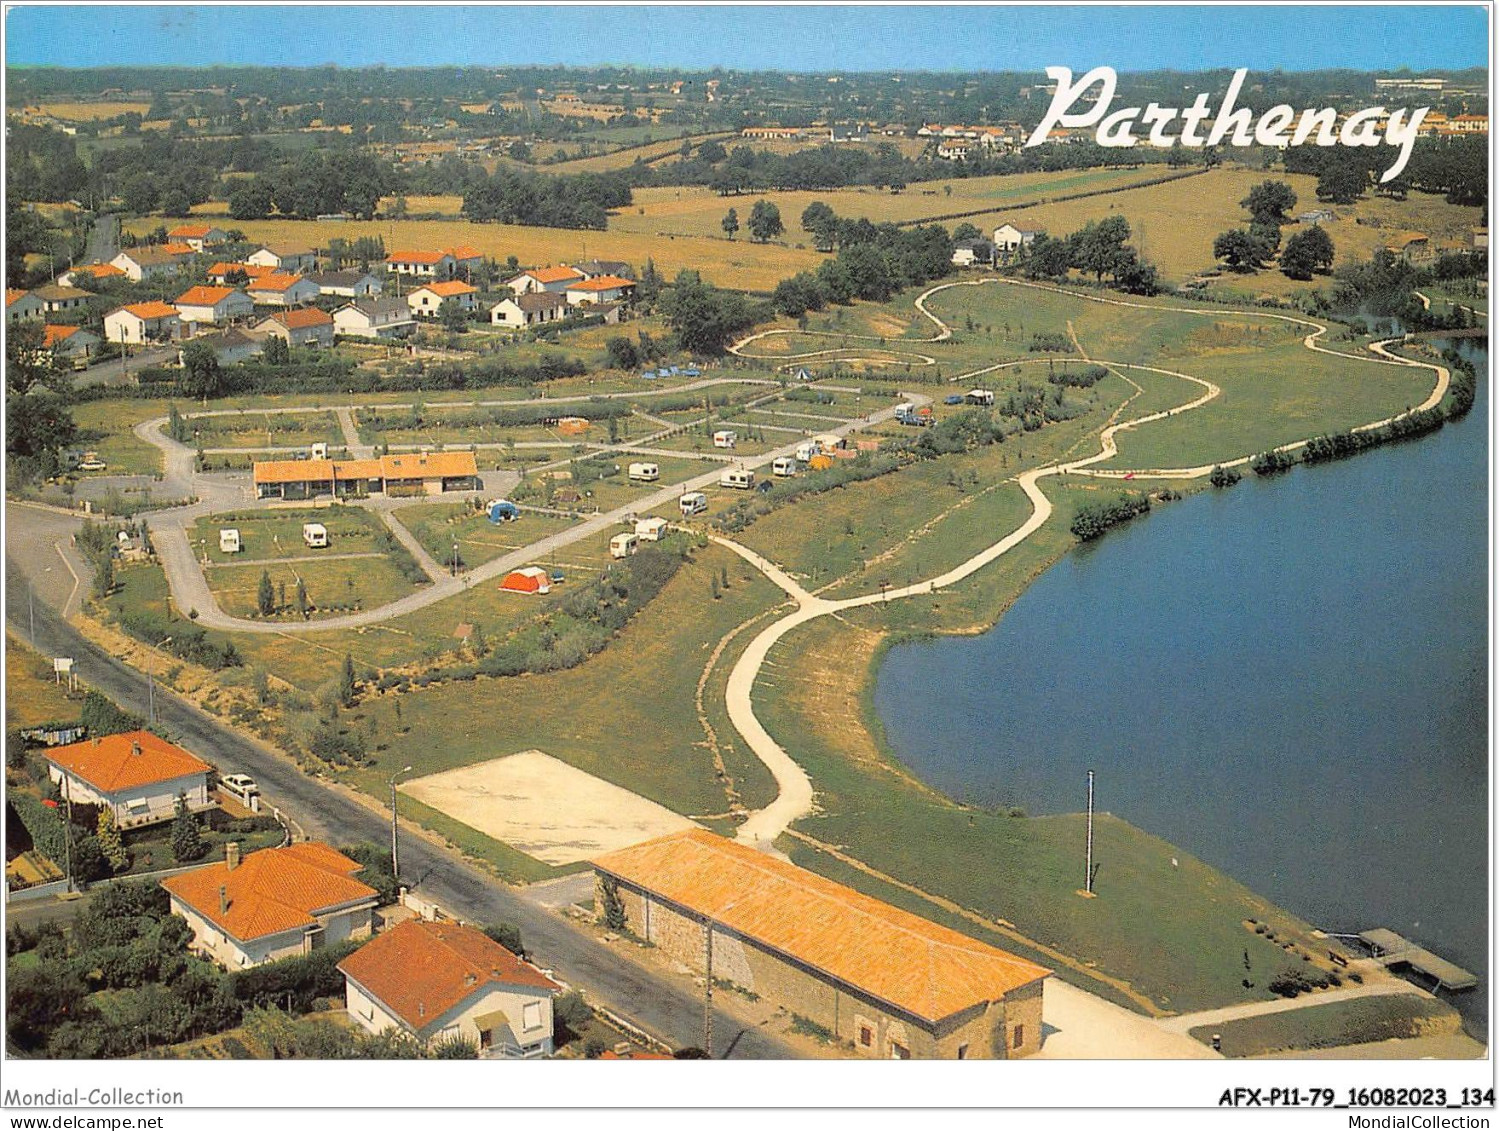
column 67, row 794
column 150, row 699
column 1088, row 881
column 708, row 992
column 31, row 613
column 395, row 847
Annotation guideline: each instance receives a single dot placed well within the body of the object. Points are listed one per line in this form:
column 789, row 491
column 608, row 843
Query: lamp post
column 395, row 848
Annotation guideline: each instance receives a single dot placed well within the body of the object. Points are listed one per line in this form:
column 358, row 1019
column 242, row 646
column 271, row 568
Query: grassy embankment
column 1338, row 1023
column 32, row 697
column 1175, row 935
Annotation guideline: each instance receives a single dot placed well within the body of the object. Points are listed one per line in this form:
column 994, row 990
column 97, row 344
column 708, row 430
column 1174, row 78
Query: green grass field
column 31, row 695
column 438, row 525
column 333, row 586
column 277, row 533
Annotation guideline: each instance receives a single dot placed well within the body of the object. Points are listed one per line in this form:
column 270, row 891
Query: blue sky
column 869, row 37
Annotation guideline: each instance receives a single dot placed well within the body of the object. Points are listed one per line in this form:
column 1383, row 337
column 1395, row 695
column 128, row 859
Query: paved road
column 103, row 239
column 121, row 371
column 659, row 1006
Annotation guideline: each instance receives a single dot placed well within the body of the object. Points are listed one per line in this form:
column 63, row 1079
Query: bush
column 1224, row 476
column 1093, row 519
column 301, row 980
column 1272, row 463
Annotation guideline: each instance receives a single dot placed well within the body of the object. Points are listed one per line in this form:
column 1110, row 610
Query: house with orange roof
column 554, row 279
column 416, row 473
column 308, row 326
column 603, row 288
column 136, row 775
column 275, row 903
column 422, row 264
column 143, row 263
column 95, row 271
column 426, row 301
column 439, row 980
column 142, row 322
column 466, row 260
column 213, row 306
column 70, row 341
column 228, row 272
column 892, row 984
column 198, row 236
column 21, row 305
column 284, row 258
column 281, row 290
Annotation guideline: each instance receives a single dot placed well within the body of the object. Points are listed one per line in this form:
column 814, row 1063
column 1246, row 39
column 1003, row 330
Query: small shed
column 527, row 579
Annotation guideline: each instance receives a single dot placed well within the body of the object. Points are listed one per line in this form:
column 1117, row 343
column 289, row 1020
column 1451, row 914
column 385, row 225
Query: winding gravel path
column 796, row 797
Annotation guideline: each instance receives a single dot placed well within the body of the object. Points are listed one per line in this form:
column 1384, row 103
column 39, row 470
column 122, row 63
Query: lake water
column 1287, row 678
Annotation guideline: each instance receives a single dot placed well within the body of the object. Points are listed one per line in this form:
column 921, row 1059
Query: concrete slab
column 545, row 807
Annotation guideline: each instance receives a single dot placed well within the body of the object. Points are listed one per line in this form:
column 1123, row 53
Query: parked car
column 241, row 787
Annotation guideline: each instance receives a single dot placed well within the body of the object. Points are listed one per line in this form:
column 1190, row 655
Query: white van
column 693, row 502
column 320, row 450
column 623, row 545
column 724, row 438
column 651, row 529
column 737, row 478
column 229, row 542
column 315, row 534
column 785, row 465
column 644, row 473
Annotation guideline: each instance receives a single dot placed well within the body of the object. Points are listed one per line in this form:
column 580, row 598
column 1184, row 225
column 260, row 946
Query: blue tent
column 503, row 510
column 692, row 371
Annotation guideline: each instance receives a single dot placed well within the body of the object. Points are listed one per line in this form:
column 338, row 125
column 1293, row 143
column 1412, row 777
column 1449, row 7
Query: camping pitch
column 527, row 579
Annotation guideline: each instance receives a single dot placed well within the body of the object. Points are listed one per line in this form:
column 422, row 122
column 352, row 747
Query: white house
column 466, row 260
column 306, row 327
column 136, row 775
column 143, row 263
column 21, row 305
column 142, row 322
column 427, row 300
column 198, row 236
column 213, row 306
column 528, row 309
column 374, row 318
column 604, row 288
column 274, row 903
column 285, row 259
column 347, row 284
column 98, row 272
column 281, row 290
column 971, row 253
column 231, row 346
column 442, row 981
column 422, row 264
column 554, row 279
column 59, row 299
column 1009, row 239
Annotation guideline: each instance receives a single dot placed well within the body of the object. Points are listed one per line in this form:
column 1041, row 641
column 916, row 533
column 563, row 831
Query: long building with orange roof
column 892, row 984
column 275, row 903
column 417, row 473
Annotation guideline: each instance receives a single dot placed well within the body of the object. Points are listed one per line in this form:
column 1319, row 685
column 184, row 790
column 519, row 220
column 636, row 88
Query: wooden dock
column 1396, row 950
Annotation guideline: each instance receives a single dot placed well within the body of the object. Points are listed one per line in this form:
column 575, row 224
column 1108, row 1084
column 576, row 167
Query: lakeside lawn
column 1175, row 934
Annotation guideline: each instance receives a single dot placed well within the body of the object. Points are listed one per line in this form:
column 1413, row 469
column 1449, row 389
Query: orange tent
column 572, row 425
column 528, row 579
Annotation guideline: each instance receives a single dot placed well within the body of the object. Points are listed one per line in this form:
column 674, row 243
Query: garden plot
column 544, row 807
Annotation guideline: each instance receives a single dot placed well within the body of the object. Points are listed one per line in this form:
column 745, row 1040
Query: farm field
column 1174, row 224
column 743, row 265
column 699, row 211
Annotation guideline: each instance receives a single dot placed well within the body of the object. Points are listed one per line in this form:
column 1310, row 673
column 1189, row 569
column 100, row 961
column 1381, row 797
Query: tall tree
column 1269, row 202
column 265, row 595
column 730, row 223
column 1306, row 253
column 187, row 838
column 765, row 221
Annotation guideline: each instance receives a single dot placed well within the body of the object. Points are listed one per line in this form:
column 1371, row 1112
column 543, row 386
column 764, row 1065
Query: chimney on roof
column 223, row 900
column 421, row 1009
column 470, row 978
column 231, row 855
column 97, row 740
column 135, row 749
